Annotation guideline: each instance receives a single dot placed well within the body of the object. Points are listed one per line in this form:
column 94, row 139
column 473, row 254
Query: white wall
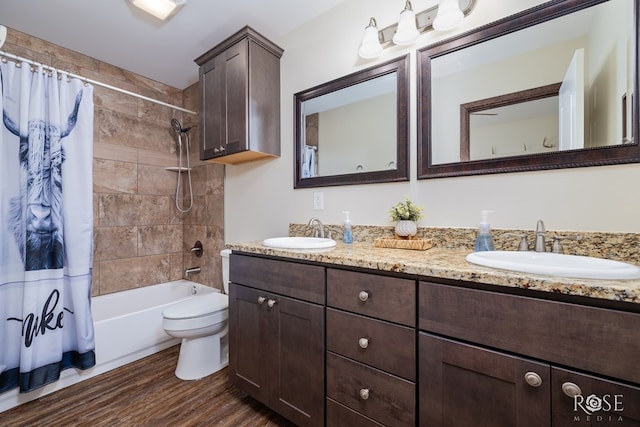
column 260, row 200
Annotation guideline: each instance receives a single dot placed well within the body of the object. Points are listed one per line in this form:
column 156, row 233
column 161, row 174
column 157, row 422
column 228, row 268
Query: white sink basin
column 299, row 243
column 552, row 264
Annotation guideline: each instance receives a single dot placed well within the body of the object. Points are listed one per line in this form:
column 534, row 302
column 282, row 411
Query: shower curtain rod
column 94, row 82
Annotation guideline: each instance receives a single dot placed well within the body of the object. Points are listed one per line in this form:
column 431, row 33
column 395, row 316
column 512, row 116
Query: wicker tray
column 415, row 244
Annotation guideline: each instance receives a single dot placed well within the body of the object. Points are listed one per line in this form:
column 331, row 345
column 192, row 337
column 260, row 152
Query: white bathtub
column 128, row 327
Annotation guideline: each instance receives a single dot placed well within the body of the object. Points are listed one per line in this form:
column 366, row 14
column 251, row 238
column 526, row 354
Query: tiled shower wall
column 140, row 238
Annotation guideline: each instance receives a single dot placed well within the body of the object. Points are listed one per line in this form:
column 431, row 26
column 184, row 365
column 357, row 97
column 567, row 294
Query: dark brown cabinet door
column 248, row 341
column 236, row 85
column 584, row 400
column 213, row 98
column 276, row 352
column 297, row 368
column 465, row 385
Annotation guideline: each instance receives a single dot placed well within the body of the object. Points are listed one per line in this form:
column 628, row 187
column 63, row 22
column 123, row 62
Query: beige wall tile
column 114, row 177
column 120, row 153
column 130, row 273
column 159, row 239
column 115, row 242
column 156, row 180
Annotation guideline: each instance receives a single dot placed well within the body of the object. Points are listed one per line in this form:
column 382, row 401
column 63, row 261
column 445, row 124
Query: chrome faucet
column 541, row 245
column 317, row 227
column 191, row 270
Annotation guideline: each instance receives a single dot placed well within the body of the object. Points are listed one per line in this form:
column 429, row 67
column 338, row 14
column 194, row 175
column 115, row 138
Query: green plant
column 405, row 211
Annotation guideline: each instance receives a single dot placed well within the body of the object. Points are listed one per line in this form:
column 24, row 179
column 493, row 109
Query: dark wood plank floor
column 145, row 393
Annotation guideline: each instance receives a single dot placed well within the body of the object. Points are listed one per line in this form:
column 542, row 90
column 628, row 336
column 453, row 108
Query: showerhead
column 177, row 126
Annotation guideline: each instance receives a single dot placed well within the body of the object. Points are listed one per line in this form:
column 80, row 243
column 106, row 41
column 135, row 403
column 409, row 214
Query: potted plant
column 406, row 215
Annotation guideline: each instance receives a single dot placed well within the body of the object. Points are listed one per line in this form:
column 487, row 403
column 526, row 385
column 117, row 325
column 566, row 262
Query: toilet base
column 202, row 356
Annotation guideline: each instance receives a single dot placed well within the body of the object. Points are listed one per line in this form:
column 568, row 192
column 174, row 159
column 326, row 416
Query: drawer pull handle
column 363, row 296
column 363, row 343
column 571, row 389
column 261, row 300
column 364, row 393
column 272, row 302
column 533, row 379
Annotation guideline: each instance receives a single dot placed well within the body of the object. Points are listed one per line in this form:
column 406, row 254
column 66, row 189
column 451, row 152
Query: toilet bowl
column 201, row 323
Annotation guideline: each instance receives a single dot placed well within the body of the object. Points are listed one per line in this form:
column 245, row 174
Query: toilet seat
column 197, row 306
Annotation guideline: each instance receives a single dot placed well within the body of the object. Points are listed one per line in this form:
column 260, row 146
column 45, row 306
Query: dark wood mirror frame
column 401, row 172
column 614, row 154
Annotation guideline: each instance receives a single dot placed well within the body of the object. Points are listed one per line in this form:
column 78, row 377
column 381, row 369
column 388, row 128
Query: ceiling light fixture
column 448, row 14
column 161, row 9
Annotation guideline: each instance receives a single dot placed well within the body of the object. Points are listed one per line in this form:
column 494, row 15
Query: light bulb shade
column 406, row 33
column 370, row 46
column 161, row 9
column 449, row 15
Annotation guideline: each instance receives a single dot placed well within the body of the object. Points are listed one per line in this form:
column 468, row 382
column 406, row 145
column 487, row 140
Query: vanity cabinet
column 494, row 359
column 371, row 349
column 276, row 335
column 240, row 99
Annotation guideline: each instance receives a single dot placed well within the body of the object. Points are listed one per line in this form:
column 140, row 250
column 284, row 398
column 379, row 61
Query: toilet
column 201, row 323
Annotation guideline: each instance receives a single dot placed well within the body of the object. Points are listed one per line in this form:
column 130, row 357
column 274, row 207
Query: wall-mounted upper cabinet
column 240, row 99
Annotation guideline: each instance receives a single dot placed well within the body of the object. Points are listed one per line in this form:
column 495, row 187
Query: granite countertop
column 449, row 264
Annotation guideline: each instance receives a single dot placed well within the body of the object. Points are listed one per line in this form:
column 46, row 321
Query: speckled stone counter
column 448, row 263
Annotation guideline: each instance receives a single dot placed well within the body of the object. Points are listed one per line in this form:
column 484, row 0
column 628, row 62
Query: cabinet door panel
column 212, row 124
column 464, row 385
column 248, row 328
column 601, row 403
column 236, row 76
column 297, row 382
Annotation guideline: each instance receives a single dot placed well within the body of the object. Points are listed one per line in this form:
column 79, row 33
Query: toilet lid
column 200, row 305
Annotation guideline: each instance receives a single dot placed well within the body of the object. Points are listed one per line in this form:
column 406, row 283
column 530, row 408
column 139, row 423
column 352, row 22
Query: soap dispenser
column 484, row 241
column 347, row 236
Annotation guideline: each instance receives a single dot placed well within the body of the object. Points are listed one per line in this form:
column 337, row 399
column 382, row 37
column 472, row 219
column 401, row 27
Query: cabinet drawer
column 388, row 346
column 609, row 402
column 301, row 281
column 593, row 339
column 387, row 298
column 340, row 415
column 390, row 400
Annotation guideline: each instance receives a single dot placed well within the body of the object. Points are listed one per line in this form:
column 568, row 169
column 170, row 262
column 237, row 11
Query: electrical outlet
column 318, row 200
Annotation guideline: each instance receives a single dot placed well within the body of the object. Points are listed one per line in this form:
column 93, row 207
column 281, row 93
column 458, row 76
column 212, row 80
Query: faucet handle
column 557, row 246
column 524, row 245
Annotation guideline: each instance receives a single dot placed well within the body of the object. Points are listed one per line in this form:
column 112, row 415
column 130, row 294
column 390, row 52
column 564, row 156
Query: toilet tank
column 225, row 269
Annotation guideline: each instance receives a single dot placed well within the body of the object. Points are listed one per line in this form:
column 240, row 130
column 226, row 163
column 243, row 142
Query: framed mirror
column 550, row 87
column 354, row 130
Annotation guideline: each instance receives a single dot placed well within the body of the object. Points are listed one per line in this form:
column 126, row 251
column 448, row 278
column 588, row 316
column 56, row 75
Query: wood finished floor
column 145, row 393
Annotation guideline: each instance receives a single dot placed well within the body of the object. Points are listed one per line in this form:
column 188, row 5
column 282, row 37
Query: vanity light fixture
column 443, row 17
column 370, row 46
column 161, row 9
column 449, row 15
column 407, row 32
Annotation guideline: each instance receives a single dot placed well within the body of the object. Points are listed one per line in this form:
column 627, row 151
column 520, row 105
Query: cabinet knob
column 571, row 389
column 363, row 342
column 533, row 379
column 222, row 147
column 363, row 296
column 272, row 302
column 261, row 300
column 364, row 393
column 216, row 150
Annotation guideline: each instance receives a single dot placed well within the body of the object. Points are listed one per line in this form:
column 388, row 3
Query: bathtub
column 127, row 327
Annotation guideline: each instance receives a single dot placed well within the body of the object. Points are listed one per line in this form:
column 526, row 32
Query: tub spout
column 191, row 270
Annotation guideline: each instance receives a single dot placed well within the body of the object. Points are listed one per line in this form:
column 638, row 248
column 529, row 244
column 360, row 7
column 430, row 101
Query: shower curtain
column 46, row 226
